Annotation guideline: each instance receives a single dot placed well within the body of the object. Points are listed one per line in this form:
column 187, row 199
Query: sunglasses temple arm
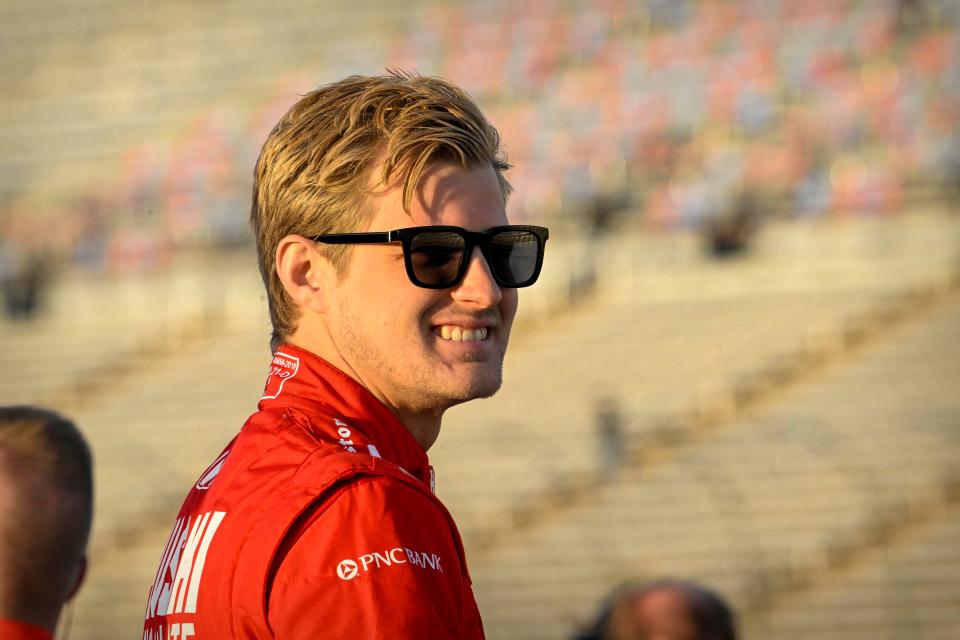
column 356, row 238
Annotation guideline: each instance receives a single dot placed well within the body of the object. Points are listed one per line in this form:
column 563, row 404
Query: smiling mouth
column 456, row 333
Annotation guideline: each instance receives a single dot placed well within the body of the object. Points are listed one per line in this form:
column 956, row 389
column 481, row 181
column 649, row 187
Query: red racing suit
column 317, row 521
column 11, row 629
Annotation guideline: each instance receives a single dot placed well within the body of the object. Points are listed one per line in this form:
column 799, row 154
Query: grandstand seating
column 127, row 73
column 908, row 591
column 831, row 108
column 776, row 500
column 96, row 329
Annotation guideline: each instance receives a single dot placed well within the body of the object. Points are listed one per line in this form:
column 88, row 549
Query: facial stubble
column 416, row 385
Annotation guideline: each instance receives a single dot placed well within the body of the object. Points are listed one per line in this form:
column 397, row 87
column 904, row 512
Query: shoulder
column 372, row 504
column 280, row 445
column 304, row 430
column 372, row 522
column 379, row 546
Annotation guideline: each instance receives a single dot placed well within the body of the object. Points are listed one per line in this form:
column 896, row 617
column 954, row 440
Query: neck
column 424, row 427
column 423, row 424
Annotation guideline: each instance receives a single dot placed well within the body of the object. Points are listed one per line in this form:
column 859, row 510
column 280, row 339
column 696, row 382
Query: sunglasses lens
column 514, row 255
column 436, row 257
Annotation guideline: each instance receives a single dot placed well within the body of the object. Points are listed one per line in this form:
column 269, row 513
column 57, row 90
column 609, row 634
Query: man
column 664, row 610
column 46, row 509
column 391, row 274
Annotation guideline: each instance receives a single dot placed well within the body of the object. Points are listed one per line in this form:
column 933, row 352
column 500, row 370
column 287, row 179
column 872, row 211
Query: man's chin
column 475, row 388
column 483, row 391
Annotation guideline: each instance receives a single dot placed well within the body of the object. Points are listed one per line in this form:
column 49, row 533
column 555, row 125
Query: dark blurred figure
column 663, row 610
column 23, row 278
column 730, row 232
column 605, row 211
column 912, row 16
column 610, row 437
column 46, row 509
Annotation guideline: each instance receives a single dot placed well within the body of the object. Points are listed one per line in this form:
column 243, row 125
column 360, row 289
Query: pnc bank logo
column 348, row 569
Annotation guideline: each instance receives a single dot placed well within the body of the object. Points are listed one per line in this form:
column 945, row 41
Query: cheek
column 404, row 307
column 508, row 305
column 385, row 293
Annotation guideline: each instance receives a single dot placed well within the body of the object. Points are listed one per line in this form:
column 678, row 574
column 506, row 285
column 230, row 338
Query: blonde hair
column 315, row 169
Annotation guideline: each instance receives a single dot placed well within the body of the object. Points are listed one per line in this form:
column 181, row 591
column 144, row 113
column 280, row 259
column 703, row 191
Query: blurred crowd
column 663, row 114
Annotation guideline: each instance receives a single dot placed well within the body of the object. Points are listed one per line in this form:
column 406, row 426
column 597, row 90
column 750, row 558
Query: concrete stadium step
column 42, row 361
column 907, row 592
column 94, row 329
column 194, row 406
column 723, row 527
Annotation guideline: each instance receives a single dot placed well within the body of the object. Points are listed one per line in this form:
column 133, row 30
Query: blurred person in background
column 663, row 610
column 730, row 232
column 46, row 509
column 611, row 439
column 24, row 276
column 392, row 276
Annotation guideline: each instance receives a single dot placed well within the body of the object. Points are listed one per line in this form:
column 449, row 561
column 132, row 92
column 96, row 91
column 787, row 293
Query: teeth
column 459, row 334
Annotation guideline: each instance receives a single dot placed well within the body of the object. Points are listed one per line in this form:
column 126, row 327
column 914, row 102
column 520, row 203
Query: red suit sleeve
column 376, row 559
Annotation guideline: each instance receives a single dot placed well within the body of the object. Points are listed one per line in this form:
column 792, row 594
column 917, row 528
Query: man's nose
column 478, row 286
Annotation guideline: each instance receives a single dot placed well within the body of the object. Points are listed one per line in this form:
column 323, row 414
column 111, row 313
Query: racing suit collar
column 305, row 382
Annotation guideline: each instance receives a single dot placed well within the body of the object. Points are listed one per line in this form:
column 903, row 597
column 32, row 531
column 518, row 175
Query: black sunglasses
column 436, row 257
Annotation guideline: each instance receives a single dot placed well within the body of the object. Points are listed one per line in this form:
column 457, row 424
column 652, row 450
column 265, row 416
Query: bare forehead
column 476, row 190
column 446, row 193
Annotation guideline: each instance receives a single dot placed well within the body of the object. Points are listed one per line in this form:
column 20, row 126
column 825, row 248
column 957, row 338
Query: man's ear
column 78, row 580
column 305, row 273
